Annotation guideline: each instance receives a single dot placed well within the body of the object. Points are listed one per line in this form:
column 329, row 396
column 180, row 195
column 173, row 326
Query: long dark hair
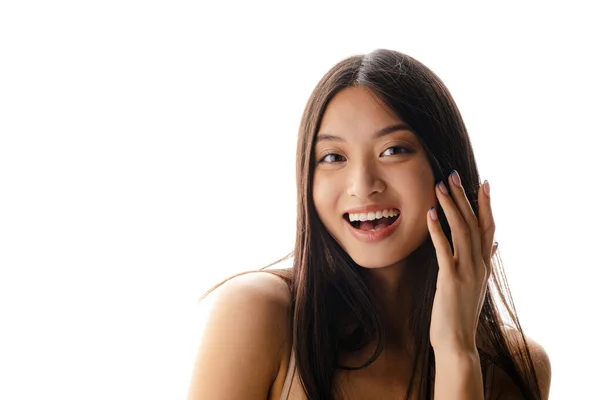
column 327, row 284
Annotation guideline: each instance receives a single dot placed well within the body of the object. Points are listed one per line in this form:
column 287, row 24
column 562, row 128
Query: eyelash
column 406, row 151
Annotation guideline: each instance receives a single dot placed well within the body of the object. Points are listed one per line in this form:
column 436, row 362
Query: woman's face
column 381, row 180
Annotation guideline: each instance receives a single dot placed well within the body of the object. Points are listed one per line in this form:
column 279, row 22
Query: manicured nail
column 442, row 187
column 455, row 178
column 486, row 188
column 433, row 213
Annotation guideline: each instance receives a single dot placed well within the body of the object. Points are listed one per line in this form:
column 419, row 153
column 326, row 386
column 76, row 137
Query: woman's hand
column 462, row 277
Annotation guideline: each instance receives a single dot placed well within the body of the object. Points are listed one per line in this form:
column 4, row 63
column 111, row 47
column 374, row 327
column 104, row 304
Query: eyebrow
column 382, row 132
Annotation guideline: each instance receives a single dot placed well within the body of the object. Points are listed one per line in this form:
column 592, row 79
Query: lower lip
column 373, row 236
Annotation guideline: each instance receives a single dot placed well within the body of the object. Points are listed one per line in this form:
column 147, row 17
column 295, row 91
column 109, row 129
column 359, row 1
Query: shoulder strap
column 287, row 385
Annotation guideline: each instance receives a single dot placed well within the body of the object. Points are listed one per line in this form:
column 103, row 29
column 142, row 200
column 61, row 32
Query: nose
column 364, row 181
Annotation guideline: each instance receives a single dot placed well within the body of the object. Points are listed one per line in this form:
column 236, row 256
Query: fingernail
column 433, row 213
column 442, row 187
column 486, row 188
column 455, row 178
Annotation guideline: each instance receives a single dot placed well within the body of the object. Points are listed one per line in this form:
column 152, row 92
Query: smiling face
column 373, row 183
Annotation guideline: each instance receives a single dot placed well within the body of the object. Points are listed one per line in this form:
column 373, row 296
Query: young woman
column 395, row 290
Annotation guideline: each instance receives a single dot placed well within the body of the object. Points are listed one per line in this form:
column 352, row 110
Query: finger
column 487, row 226
column 488, row 273
column 459, row 229
column 443, row 250
column 462, row 202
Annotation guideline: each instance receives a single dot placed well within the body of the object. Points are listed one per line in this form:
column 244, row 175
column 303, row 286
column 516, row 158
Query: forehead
column 357, row 112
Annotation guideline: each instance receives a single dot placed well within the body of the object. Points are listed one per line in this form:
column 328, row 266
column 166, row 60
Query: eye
column 331, row 158
column 395, row 150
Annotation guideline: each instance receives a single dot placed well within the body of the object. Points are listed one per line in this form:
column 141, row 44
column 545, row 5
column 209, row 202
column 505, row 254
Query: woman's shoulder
column 541, row 364
column 244, row 338
column 256, row 295
column 260, row 286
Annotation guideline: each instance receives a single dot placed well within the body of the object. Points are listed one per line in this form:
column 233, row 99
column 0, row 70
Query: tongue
column 377, row 224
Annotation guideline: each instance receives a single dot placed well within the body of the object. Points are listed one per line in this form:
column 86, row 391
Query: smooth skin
column 244, row 348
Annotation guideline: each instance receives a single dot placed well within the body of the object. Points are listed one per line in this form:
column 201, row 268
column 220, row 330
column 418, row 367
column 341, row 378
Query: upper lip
column 371, row 208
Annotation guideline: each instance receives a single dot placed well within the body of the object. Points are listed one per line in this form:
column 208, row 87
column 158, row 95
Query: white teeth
column 373, row 215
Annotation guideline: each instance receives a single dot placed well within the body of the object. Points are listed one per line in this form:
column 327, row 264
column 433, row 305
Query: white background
column 147, row 151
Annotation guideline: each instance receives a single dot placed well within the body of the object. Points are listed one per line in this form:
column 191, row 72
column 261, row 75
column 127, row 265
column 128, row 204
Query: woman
column 388, row 296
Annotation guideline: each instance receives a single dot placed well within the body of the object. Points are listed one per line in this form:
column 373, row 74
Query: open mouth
column 372, row 224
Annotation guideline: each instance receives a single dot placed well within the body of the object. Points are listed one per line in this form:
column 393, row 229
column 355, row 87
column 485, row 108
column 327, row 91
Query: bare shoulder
column 504, row 387
column 244, row 338
column 256, row 285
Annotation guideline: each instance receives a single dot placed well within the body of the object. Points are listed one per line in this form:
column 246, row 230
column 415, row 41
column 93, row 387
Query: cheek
column 323, row 195
column 417, row 188
column 426, row 185
column 326, row 193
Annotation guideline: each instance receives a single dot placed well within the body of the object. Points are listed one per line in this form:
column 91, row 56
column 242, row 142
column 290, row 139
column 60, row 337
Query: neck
column 391, row 287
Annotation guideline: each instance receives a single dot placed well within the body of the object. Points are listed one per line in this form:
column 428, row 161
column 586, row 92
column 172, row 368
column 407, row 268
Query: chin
column 373, row 257
column 371, row 260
